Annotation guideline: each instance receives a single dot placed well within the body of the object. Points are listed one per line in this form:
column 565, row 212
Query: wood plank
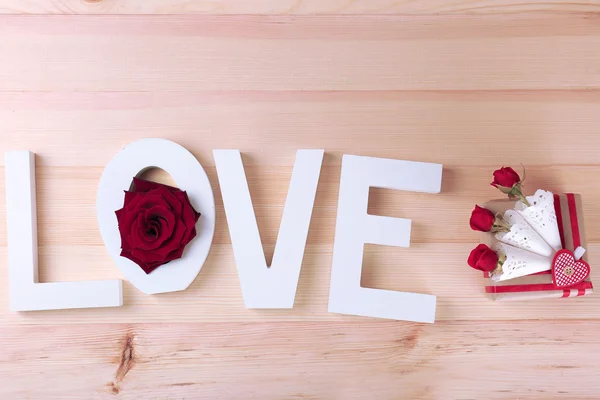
column 483, row 128
column 67, row 206
column 304, row 53
column 300, row 7
column 358, row 360
column 215, row 295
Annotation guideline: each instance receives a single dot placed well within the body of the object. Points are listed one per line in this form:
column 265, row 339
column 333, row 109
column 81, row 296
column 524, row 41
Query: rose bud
column 484, row 220
column 506, row 177
column 509, row 182
column 483, row 258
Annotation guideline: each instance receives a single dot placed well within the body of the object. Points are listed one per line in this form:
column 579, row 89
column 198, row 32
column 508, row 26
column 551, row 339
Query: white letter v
column 264, row 287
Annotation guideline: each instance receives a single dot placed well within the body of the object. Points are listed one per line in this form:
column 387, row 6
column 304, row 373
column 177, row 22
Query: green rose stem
column 517, row 187
column 514, row 192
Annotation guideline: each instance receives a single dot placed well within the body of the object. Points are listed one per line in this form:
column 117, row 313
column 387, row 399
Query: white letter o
column 189, row 175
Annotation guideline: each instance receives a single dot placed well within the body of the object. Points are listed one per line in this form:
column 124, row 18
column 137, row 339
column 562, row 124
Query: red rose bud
column 482, row 219
column 509, row 182
column 506, row 177
column 483, row 258
column 156, row 223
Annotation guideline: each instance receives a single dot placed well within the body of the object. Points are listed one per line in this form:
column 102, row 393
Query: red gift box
column 536, row 286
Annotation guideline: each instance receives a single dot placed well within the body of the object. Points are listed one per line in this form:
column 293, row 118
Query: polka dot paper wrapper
column 569, row 214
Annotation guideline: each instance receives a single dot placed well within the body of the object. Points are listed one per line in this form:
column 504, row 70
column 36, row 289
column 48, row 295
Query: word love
column 262, row 286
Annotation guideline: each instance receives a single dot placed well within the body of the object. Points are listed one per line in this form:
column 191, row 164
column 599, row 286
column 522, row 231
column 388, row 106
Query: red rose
column 156, row 223
column 506, row 177
column 483, row 258
column 482, row 219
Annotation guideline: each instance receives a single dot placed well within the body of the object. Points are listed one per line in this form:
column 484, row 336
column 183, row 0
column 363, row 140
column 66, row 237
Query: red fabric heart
column 566, row 271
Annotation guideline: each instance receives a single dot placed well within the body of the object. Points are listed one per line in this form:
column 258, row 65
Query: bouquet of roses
column 527, row 236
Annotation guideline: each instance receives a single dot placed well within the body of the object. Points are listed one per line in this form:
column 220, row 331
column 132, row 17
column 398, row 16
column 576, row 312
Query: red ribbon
column 561, row 228
column 535, row 287
column 574, row 222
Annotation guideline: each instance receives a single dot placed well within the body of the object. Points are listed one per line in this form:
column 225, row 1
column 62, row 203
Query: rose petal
column 148, row 232
column 187, row 201
column 124, row 215
column 152, row 231
column 488, row 261
column 171, row 199
column 175, row 231
column 134, row 199
column 175, row 254
column 136, row 231
column 118, row 213
column 125, row 220
column 127, row 217
column 147, row 256
column 190, row 236
column 149, row 200
column 147, row 267
column 482, row 219
column 161, row 253
column 483, row 258
column 189, row 216
column 163, row 221
column 129, row 196
column 124, row 233
column 505, row 176
column 142, row 185
column 166, row 223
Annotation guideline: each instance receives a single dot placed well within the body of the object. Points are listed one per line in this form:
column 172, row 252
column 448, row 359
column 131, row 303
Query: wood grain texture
column 291, row 360
column 299, row 7
column 288, row 53
column 472, row 85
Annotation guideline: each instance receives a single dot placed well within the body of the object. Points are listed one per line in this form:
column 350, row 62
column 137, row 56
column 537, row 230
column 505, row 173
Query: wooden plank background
column 470, row 84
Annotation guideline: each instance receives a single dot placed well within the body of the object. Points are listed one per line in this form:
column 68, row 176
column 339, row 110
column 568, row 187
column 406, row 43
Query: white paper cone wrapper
column 542, row 217
column 523, row 236
column 519, row 262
